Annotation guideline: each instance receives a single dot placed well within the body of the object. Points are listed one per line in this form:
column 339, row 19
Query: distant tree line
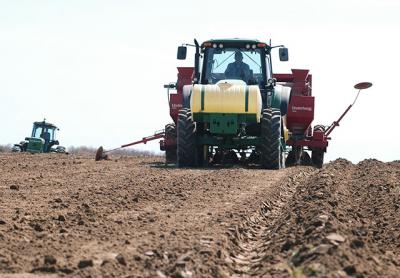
column 92, row 150
column 5, row 148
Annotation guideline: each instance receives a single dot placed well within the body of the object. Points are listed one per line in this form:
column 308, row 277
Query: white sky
column 97, row 68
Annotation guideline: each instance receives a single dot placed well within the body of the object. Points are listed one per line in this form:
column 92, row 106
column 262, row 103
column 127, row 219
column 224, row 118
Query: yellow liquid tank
column 227, row 96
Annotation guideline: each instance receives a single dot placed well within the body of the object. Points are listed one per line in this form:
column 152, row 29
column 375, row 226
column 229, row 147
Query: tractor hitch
column 101, row 154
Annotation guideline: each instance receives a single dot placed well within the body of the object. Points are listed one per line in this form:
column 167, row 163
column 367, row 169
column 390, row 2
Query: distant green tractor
column 42, row 140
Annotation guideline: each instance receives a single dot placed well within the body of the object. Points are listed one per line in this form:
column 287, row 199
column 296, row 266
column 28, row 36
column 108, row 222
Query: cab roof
column 44, row 123
column 238, row 41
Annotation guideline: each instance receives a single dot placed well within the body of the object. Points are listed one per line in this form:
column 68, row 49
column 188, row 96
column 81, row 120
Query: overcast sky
column 97, row 68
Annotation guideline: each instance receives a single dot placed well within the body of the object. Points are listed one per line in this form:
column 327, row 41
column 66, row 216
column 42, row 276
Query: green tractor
column 233, row 110
column 42, row 140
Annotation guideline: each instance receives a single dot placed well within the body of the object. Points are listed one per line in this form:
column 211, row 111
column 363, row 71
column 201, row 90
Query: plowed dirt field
column 66, row 215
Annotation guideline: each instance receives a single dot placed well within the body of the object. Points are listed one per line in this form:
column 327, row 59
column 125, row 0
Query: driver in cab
column 238, row 69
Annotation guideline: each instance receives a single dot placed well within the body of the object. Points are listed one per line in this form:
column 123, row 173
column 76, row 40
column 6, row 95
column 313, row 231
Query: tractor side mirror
column 170, row 86
column 283, row 54
column 181, row 53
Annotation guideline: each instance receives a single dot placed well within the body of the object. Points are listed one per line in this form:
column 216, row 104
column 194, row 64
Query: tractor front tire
column 170, row 151
column 271, row 155
column 186, row 139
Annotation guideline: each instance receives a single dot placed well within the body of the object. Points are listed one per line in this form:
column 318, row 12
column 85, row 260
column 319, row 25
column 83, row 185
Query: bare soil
column 67, row 215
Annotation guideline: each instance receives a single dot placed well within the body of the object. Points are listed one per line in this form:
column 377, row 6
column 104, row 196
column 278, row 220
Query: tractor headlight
column 248, row 46
column 214, row 45
column 221, row 45
column 254, row 46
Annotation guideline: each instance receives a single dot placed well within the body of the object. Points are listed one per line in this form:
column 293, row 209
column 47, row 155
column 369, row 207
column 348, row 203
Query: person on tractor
column 238, row 69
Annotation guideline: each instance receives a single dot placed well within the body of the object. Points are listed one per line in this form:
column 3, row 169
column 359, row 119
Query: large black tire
column 305, row 159
column 271, row 155
column 298, row 156
column 16, row 148
column 317, row 154
column 317, row 157
column 186, row 139
column 170, row 151
column 291, row 159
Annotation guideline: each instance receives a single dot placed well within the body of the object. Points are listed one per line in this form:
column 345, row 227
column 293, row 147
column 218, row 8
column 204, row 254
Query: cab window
column 218, row 61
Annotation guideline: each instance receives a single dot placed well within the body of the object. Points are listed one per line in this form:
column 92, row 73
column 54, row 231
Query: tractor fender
column 186, row 94
column 281, row 98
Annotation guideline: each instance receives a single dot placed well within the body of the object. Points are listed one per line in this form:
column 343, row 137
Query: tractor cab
column 46, row 132
column 233, row 59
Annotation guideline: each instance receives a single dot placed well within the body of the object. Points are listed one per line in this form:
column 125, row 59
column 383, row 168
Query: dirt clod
column 37, row 227
column 85, row 263
column 335, row 238
column 323, row 248
column 61, row 218
column 50, row 260
column 120, row 259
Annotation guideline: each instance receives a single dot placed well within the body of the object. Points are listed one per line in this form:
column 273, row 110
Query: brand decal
column 301, row 108
column 176, row 105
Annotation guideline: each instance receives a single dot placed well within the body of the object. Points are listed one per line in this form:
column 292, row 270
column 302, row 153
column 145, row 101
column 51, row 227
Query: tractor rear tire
column 16, row 148
column 186, row 139
column 317, row 154
column 170, row 151
column 271, row 155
